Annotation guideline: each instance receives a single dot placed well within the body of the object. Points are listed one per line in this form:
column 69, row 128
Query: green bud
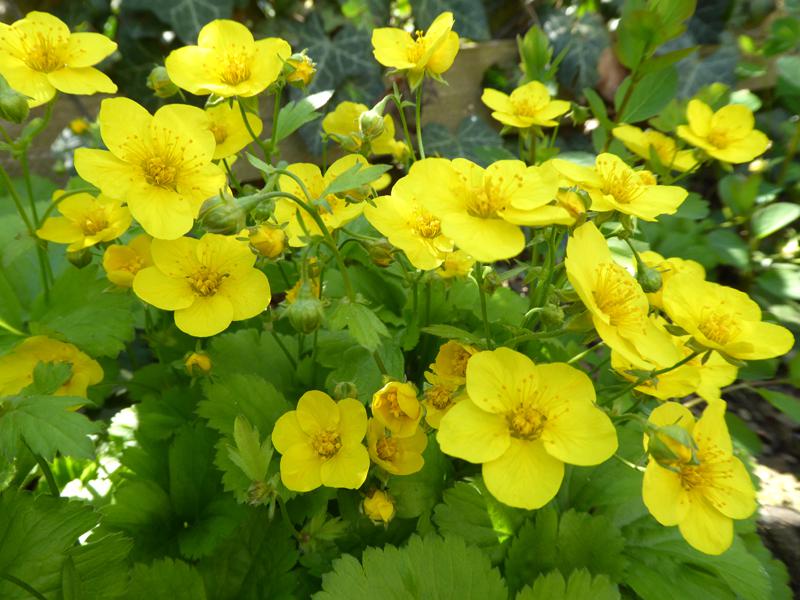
column 381, row 252
column 158, row 80
column 80, row 258
column 648, row 278
column 370, row 124
column 552, row 315
column 671, row 446
column 345, row 389
column 305, row 314
column 13, row 105
column 491, row 281
column 299, row 70
column 222, row 214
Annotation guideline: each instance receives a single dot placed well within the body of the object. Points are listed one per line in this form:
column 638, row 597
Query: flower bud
column 305, row 313
column 299, row 70
column 371, row 122
column 158, row 80
column 552, row 315
column 13, row 105
column 268, row 240
column 197, row 363
column 379, row 507
column 648, row 278
column 671, row 445
column 491, row 281
column 381, row 252
column 223, row 214
column 80, row 258
column 79, row 126
column 345, row 389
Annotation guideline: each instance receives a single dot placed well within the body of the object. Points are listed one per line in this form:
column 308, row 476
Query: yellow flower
column 197, row 363
column 379, row 507
column 207, row 282
column 480, row 209
column 320, row 443
column 335, row 210
column 439, row 398
column 87, row 221
column 39, row 56
column 702, row 499
column 615, row 299
column 727, row 135
column 613, row 185
column 303, row 70
column 227, row 61
column 396, row 455
column 230, row 134
column 642, row 143
column 431, row 52
column 342, row 125
column 160, row 165
column 455, row 264
column 564, row 210
column 267, row 239
column 528, row 105
column 79, row 126
column 396, row 407
column 408, row 225
column 451, row 361
column 723, row 318
column 668, row 268
column 16, row 367
column 122, row 263
column 522, row 422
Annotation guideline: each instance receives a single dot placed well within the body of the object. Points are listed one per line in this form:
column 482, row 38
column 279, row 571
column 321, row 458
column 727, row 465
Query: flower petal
column 352, row 421
column 525, row 476
column 287, row 433
column 473, row 434
column 206, row 316
column 101, row 168
column 390, row 47
column 498, row 380
column 86, row 49
column 175, row 258
column 166, row 293
column 249, row 294
column 83, row 80
column 301, row 468
column 348, row 468
column 705, row 528
column 316, row 411
column 664, row 495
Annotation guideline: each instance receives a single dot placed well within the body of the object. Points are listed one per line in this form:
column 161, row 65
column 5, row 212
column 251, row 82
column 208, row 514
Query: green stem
column 639, row 381
column 478, row 271
column 22, row 585
column 418, row 119
column 532, row 146
column 10, row 328
column 379, row 362
column 401, row 111
column 237, row 186
column 791, row 149
column 48, row 474
column 259, row 143
column 276, row 111
column 283, row 347
column 534, row 335
column 585, row 353
column 26, row 174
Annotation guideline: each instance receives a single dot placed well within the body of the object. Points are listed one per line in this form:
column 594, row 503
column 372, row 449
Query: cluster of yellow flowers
column 494, row 407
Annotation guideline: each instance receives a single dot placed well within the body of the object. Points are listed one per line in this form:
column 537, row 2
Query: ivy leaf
column 470, row 16
column 472, row 140
column 472, row 513
column 47, row 425
column 580, row 586
column 698, row 71
column 363, row 324
column 584, row 40
column 166, row 579
column 83, row 313
column 429, row 567
column 186, row 17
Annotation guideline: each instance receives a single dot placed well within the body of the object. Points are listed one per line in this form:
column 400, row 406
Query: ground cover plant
column 491, row 363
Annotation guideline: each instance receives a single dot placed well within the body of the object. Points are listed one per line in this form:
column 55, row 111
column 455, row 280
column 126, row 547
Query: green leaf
column 472, row 139
column 580, row 586
column 83, row 313
column 47, row 378
column 584, row 39
column 785, row 403
column 783, row 280
column 98, row 569
column 297, row 113
column 420, row 492
column 770, row 219
column 363, row 324
column 452, row 333
column 598, row 106
column 729, row 248
column 470, row 16
column 662, row 61
column 650, row 95
column 788, row 86
column 186, row 17
column 572, row 541
column 430, row 567
column 717, row 67
column 243, row 353
column 47, row 425
column 357, row 365
column 353, row 178
column 471, row 512
column 166, row 579
column 536, row 53
column 739, row 192
column 250, row 454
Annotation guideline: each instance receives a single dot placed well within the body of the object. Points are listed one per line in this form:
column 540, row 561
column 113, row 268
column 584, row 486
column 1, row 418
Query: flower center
column 617, row 294
column 426, row 225
column 528, row 106
column 390, row 398
column 220, row 132
column 664, row 147
column 719, row 326
column 94, row 222
column 719, row 138
column 159, row 172
column 205, row 282
column 326, row 443
column 439, row 396
column 623, row 184
column 525, row 422
column 386, row 448
column 133, row 266
column 485, row 203
column 460, row 359
column 417, row 51
column 235, row 68
column 43, row 53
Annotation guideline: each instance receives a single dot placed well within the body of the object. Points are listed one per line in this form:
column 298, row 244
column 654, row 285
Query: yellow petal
column 287, row 433
column 267, row 64
column 249, row 294
column 654, row 201
column 107, row 172
column 736, row 120
column 84, row 80
column 166, row 293
column 348, row 468
column 225, row 254
column 301, row 468
column 316, row 411
column 87, row 49
column 711, row 430
column 672, row 413
column 765, row 340
column 498, row 380
column 473, row 434
column 445, row 54
column 487, row 240
column 60, row 230
column 699, row 115
column 732, row 493
column 705, row 528
column 391, row 46
column 25, row 80
column 162, row 213
column 497, row 100
column 189, row 67
column 176, row 258
column 123, row 125
column 206, row 316
column 664, row 495
column 352, row 421
column 185, row 126
column 525, row 476
column 742, row 150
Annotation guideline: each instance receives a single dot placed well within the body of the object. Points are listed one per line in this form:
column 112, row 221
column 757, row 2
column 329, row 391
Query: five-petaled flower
column 527, row 106
column 727, row 135
column 86, row 221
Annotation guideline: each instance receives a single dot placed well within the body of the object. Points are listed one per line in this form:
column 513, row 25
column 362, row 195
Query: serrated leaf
column 472, row 513
column 250, row 454
column 297, row 113
column 243, row 352
column 353, row 178
column 242, row 395
column 186, row 17
column 580, row 586
column 363, row 324
column 766, row 221
column 47, row 378
column 430, row 567
column 83, row 313
column 165, row 579
column 451, row 332
column 47, row 425
column 99, row 569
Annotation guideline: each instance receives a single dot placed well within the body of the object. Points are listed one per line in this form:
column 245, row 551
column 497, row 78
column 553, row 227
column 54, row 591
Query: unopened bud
column 671, row 445
column 371, row 122
column 648, row 278
column 552, row 315
column 13, row 105
column 80, row 258
column 222, row 214
column 197, row 363
column 345, row 389
column 158, row 80
column 299, row 70
column 381, row 252
column 268, row 240
column 491, row 281
column 379, row 507
column 305, row 313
